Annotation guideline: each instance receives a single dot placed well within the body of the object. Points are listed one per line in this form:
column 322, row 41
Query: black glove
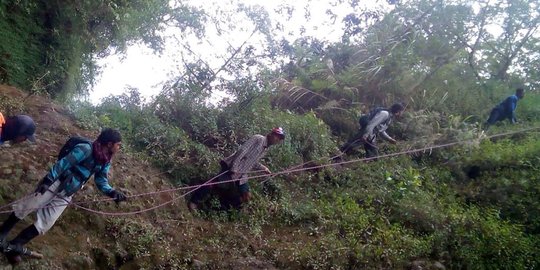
column 43, row 186
column 117, row 196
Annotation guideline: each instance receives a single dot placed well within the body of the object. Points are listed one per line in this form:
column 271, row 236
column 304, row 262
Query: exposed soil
column 167, row 238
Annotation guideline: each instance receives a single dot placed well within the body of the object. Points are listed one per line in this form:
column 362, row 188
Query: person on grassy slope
column 55, row 191
column 236, row 167
column 505, row 110
column 373, row 125
column 16, row 129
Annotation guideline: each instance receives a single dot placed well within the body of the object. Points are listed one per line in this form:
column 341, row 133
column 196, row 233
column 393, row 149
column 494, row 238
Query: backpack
column 366, row 118
column 70, row 145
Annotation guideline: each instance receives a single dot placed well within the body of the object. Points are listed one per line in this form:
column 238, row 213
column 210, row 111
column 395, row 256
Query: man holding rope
column 376, row 123
column 236, row 167
column 55, row 191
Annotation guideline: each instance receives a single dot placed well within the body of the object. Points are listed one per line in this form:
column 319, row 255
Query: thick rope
column 292, row 169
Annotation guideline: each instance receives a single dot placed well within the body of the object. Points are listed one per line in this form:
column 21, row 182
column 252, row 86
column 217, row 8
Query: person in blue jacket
column 55, row 191
column 506, row 109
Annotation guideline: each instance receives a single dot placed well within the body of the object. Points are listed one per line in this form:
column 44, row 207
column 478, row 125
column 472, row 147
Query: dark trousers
column 369, row 146
column 228, row 193
column 497, row 115
column 353, row 143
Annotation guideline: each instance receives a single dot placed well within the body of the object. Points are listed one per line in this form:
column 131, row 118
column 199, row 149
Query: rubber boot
column 6, row 227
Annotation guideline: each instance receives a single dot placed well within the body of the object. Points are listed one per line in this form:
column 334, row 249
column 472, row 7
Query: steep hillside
column 84, row 240
column 469, row 206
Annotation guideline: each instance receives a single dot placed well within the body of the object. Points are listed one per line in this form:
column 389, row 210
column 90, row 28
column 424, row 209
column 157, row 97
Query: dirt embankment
column 165, row 238
column 78, row 237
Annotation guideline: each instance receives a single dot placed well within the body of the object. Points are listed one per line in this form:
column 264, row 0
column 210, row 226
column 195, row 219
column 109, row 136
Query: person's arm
column 377, row 120
column 387, row 137
column 261, row 167
column 102, row 183
column 76, row 156
column 101, row 180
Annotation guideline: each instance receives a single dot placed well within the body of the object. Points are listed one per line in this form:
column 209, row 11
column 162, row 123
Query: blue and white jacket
column 75, row 169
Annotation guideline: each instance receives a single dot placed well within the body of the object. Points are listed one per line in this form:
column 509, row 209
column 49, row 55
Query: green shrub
column 481, row 240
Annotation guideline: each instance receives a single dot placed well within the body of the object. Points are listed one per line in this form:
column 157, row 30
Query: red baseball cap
column 279, row 131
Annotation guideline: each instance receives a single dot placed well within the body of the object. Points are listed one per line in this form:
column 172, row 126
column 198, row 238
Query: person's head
column 520, row 93
column 277, row 135
column 18, row 129
column 397, row 109
column 110, row 139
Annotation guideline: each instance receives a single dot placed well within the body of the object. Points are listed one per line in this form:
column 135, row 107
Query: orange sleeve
column 2, row 122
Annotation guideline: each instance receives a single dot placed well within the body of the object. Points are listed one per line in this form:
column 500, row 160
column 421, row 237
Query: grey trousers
column 48, row 206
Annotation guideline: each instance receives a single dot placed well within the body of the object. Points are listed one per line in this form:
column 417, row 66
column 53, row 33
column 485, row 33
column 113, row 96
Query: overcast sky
column 142, row 69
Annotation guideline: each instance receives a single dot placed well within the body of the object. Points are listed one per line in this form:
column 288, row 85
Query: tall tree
column 67, row 36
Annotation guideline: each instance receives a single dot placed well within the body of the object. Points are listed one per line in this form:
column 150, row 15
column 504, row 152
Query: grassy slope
column 396, row 214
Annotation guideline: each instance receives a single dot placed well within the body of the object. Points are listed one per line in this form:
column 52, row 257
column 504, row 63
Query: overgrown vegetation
column 51, row 46
column 469, row 206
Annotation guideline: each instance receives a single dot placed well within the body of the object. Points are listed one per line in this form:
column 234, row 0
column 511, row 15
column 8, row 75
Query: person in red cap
column 16, row 129
column 237, row 166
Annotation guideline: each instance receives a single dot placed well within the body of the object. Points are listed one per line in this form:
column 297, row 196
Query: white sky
column 140, row 68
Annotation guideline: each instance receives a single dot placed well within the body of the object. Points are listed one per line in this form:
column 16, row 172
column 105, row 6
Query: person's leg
column 201, row 194
column 245, row 195
column 7, row 226
column 352, row 143
column 46, row 216
column 235, row 197
column 198, row 197
column 508, row 116
column 494, row 116
column 25, row 206
column 371, row 148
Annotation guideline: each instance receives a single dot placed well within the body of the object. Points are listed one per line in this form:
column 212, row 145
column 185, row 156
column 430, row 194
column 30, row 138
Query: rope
column 147, row 209
column 292, row 169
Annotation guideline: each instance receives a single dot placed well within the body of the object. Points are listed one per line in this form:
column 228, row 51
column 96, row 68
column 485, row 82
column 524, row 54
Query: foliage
column 166, row 145
column 50, row 46
column 472, row 206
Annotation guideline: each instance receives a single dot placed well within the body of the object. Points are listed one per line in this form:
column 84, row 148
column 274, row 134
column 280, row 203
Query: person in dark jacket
column 16, row 129
column 505, row 110
column 237, row 166
column 55, row 191
column 377, row 123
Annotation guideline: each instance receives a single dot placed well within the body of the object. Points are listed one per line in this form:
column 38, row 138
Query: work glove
column 43, row 186
column 117, row 196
